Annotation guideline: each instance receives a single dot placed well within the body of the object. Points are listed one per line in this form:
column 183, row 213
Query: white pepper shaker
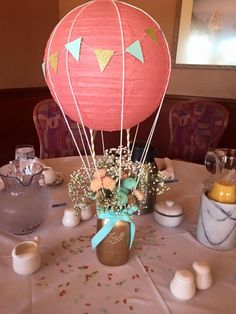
column 203, row 275
column 70, row 219
column 86, row 211
column 182, row 285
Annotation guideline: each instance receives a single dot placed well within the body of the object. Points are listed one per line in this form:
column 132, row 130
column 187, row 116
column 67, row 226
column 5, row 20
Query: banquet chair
column 195, row 127
column 54, row 136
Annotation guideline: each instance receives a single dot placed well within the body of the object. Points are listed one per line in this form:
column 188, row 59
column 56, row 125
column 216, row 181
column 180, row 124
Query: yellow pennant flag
column 53, row 60
column 103, row 57
column 152, row 34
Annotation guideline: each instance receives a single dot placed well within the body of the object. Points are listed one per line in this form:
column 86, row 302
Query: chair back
column 54, row 136
column 195, row 127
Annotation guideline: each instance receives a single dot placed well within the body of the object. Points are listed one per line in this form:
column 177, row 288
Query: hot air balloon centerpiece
column 107, row 66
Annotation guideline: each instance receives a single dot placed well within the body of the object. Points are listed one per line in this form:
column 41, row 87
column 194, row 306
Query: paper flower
column 122, row 198
column 99, row 173
column 129, row 183
column 138, row 194
column 132, row 200
column 96, row 185
column 108, row 183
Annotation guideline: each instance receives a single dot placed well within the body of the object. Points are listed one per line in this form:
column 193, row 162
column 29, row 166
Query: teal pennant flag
column 74, row 47
column 135, row 50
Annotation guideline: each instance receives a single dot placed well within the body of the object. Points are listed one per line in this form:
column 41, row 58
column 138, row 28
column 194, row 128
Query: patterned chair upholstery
column 195, row 127
column 54, row 136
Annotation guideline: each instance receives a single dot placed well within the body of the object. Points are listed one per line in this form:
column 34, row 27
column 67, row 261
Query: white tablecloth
column 71, row 280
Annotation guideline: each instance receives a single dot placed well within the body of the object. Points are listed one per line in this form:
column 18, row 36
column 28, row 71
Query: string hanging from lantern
column 57, row 98
column 92, row 143
column 83, row 144
column 69, row 79
column 122, row 89
column 148, row 142
column 147, row 145
column 103, row 144
column 134, row 139
column 128, row 139
column 67, row 124
column 91, row 147
column 92, row 151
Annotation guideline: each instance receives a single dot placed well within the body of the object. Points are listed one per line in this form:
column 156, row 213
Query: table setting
column 122, row 231
column 70, row 274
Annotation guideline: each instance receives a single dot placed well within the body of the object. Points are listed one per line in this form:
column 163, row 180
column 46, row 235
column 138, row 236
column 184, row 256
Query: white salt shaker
column 182, row 285
column 203, row 275
column 86, row 211
column 70, row 219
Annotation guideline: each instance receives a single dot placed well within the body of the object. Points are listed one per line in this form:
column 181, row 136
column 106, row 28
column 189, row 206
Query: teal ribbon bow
column 113, row 217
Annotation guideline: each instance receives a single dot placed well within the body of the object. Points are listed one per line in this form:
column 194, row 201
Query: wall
column 211, row 83
column 24, row 30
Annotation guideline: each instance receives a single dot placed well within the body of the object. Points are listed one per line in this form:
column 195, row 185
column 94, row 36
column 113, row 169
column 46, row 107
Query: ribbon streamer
column 113, row 217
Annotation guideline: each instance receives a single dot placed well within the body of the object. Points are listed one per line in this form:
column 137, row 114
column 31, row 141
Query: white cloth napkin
column 1, row 184
column 39, row 161
column 166, row 169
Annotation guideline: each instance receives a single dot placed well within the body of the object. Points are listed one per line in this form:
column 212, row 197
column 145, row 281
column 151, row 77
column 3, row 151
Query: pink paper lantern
column 133, row 81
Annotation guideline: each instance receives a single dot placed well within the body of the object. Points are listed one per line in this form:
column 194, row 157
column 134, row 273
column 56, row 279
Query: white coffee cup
column 49, row 175
column 26, row 258
column 182, row 285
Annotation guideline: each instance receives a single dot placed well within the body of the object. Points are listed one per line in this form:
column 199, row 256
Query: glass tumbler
column 24, row 151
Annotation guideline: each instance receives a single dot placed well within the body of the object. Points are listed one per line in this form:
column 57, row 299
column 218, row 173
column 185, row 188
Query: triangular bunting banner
column 53, row 60
column 136, row 50
column 44, row 69
column 103, row 57
column 74, row 47
column 152, row 34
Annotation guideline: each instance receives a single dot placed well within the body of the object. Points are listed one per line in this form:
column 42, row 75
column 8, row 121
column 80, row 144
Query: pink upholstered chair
column 195, row 127
column 54, row 137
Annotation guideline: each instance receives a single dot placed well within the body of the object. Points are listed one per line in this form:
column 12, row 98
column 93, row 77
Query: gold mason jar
column 113, row 250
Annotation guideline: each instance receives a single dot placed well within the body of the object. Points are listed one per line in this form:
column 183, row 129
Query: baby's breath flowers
column 102, row 184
